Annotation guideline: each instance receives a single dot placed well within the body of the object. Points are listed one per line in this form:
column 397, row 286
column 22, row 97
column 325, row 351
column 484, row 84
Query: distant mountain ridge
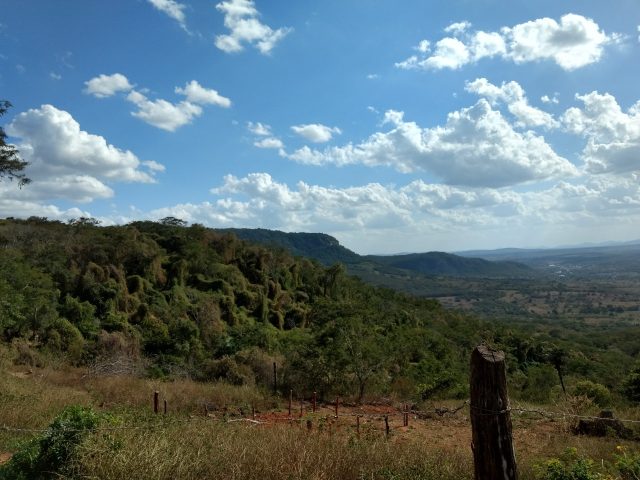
column 327, row 250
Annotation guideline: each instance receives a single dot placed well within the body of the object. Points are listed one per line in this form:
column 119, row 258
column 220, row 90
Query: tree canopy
column 11, row 165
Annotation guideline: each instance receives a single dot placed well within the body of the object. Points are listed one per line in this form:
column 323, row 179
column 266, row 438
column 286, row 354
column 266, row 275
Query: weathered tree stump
column 605, row 425
column 492, row 444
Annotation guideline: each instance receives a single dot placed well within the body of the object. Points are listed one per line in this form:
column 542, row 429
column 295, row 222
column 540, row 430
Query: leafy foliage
column 11, row 165
column 570, row 466
column 202, row 303
column 51, row 455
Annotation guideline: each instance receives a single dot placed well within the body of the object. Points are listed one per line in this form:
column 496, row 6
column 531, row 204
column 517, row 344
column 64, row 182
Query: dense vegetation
column 171, row 304
column 173, row 300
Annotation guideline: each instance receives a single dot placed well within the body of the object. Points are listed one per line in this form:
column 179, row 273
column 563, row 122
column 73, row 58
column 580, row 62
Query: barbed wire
column 258, row 418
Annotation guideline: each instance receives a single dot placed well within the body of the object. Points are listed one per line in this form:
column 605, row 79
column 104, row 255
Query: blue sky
column 393, row 125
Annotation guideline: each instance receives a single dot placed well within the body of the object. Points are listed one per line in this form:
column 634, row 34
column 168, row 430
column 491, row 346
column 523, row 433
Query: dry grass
column 183, row 396
column 206, row 449
column 193, row 446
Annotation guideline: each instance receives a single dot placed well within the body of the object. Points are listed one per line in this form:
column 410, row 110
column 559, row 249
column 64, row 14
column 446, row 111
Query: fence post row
column 492, row 438
column 492, row 442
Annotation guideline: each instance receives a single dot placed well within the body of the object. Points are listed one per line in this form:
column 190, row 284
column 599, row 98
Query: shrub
column 570, row 466
column 632, row 384
column 63, row 336
column 627, row 463
column 52, row 454
column 595, row 392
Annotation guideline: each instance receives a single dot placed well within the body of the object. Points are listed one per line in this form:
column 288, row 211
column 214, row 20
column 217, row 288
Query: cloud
column 154, row 166
column 547, row 99
column 196, row 93
column 241, row 18
column 159, row 113
column 574, row 42
column 66, row 162
column 613, row 136
column 104, row 86
column 163, row 114
column 173, row 9
column 513, row 96
column 17, row 208
column 458, row 27
column 55, row 76
column 269, row 142
column 476, row 147
column 259, row 129
column 415, row 212
column 316, row 132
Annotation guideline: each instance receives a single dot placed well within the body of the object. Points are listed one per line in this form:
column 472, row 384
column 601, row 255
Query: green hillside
column 178, row 301
column 327, row 250
column 440, row 263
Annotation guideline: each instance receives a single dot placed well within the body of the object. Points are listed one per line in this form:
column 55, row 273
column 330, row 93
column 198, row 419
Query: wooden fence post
column 386, row 426
column 315, row 398
column 290, row 401
column 253, row 412
column 492, row 442
column 155, row 402
column 165, row 407
column 337, row 403
column 275, row 379
column 358, row 425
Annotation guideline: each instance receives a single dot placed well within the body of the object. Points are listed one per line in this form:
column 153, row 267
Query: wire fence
column 327, row 412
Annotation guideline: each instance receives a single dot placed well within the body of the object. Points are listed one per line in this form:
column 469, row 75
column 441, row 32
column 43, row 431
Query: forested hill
column 440, row 263
column 322, row 247
column 327, row 250
column 171, row 299
column 199, row 302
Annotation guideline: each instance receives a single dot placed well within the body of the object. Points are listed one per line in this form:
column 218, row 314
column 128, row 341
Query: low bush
column 52, row 454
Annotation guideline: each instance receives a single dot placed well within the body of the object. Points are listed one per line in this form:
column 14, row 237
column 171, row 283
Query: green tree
column 632, row 384
column 11, row 165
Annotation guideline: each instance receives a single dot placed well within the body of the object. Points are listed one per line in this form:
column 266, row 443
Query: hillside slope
column 327, row 250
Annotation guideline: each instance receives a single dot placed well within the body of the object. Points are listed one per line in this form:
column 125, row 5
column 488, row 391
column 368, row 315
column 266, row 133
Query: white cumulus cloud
column 418, row 211
column 241, row 18
column 573, row 42
column 476, row 147
column 613, row 135
column 259, row 129
column 66, row 162
column 269, row 142
column 513, row 95
column 316, row 132
column 196, row 93
column 163, row 114
column 160, row 113
column 458, row 27
column 107, row 85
